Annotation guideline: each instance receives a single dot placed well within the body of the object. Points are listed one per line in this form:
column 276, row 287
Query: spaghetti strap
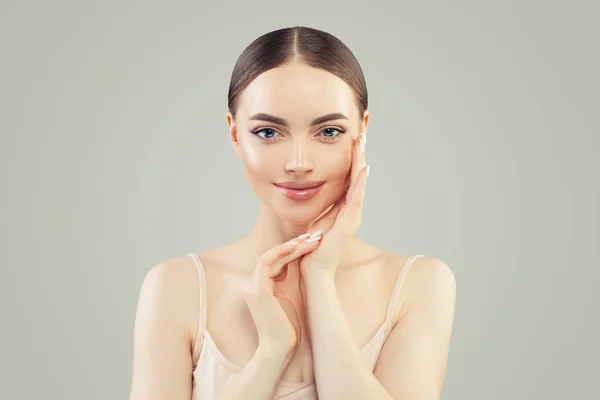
column 393, row 305
column 201, row 307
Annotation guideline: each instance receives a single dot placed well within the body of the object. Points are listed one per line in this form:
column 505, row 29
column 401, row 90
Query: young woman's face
column 296, row 125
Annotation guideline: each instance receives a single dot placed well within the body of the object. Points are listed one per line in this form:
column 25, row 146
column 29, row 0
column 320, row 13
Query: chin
column 300, row 216
column 301, row 212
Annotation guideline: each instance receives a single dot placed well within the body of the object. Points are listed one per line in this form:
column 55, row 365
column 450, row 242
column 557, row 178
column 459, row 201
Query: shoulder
column 170, row 277
column 163, row 340
column 423, row 272
column 420, row 338
column 431, row 285
column 429, row 273
column 169, row 293
column 426, row 280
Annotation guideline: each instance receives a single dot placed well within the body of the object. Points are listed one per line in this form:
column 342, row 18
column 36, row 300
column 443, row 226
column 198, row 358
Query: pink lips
column 300, row 190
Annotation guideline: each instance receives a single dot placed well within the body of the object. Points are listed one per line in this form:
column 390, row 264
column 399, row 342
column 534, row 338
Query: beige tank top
column 212, row 371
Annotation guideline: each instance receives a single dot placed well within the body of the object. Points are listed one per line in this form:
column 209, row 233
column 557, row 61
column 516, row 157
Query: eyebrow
column 281, row 121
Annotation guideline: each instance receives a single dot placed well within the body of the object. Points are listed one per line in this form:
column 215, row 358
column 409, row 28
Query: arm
column 163, row 338
column 412, row 363
column 162, row 361
column 257, row 380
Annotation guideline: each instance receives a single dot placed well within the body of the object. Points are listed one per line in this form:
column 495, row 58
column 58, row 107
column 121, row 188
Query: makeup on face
column 300, row 191
column 296, row 124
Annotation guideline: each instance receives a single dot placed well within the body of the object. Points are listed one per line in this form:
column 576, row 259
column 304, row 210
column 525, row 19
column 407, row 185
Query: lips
column 299, row 191
column 300, row 185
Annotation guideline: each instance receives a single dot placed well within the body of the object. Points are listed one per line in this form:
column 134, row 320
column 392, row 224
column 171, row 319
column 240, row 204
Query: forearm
column 340, row 369
column 258, row 379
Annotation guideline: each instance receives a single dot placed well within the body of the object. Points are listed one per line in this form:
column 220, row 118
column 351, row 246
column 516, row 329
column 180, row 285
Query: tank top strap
column 201, row 307
column 393, row 306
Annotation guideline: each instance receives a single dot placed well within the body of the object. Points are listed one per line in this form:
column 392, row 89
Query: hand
column 276, row 319
column 343, row 219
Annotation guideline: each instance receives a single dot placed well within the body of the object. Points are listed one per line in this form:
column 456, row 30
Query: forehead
column 297, row 92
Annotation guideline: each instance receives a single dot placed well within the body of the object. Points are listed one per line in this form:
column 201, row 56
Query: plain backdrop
column 483, row 146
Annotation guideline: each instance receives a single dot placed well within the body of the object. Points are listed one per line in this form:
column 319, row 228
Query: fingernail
column 292, row 242
column 304, row 235
column 368, row 168
column 314, row 239
column 316, row 233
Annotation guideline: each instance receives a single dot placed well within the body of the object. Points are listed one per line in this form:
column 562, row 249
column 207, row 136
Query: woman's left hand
column 342, row 221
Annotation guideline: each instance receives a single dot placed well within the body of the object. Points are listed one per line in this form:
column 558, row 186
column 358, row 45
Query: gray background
column 483, row 147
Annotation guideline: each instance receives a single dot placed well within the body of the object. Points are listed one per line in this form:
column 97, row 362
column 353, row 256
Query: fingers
column 305, row 244
column 358, row 192
column 270, row 263
column 354, row 192
column 327, row 221
column 351, row 215
column 358, row 161
column 275, row 317
column 269, row 257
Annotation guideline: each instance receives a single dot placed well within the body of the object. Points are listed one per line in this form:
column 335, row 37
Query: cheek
column 337, row 164
column 258, row 164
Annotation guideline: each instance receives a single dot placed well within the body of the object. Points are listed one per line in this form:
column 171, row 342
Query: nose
column 299, row 161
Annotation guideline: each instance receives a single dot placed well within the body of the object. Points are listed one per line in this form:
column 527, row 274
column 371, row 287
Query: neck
column 271, row 230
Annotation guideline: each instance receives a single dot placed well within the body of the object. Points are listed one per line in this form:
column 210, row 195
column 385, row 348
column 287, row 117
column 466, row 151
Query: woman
column 299, row 308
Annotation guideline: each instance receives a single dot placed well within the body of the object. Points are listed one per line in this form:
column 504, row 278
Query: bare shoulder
column 424, row 271
column 427, row 278
column 175, row 277
column 163, row 332
column 170, row 288
column 429, row 274
column 426, row 274
column 418, row 345
column 430, row 283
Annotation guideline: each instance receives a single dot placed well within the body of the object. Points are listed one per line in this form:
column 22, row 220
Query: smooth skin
column 322, row 300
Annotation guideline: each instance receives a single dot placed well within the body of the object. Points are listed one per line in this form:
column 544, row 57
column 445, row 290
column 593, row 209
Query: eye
column 270, row 134
column 331, row 133
column 267, row 134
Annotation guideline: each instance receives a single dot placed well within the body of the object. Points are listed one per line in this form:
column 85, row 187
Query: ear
column 233, row 132
column 365, row 121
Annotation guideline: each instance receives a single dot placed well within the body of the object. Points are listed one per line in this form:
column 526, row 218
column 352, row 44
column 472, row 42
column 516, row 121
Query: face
column 295, row 126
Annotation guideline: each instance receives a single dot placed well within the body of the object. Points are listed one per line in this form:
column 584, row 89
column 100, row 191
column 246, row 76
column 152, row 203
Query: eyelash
column 327, row 138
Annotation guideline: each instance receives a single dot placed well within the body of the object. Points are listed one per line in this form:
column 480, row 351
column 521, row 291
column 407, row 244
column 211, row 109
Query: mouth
column 300, row 190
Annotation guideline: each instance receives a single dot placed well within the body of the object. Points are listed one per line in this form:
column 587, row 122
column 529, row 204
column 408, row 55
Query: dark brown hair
column 314, row 47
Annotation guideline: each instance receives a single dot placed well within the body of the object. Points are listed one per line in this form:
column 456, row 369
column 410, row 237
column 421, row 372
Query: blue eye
column 265, row 133
column 330, row 133
column 270, row 134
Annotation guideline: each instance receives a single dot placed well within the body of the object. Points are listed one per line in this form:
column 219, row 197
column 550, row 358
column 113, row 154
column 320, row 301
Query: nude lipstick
column 300, row 190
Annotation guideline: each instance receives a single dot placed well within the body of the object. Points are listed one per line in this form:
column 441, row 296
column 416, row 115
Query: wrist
column 311, row 274
column 273, row 353
column 316, row 284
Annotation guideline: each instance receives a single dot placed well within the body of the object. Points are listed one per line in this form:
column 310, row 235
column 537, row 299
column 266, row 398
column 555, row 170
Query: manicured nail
column 314, row 239
column 292, row 242
column 316, row 233
column 368, row 168
column 303, row 236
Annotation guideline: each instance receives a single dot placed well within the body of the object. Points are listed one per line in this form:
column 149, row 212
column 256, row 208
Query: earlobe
column 233, row 133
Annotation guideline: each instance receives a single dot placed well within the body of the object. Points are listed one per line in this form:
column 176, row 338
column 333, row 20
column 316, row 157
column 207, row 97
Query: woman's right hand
column 277, row 333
